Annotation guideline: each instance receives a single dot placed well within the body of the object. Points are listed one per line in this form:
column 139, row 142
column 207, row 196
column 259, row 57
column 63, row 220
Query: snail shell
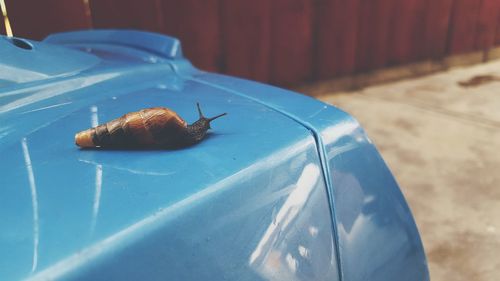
column 151, row 127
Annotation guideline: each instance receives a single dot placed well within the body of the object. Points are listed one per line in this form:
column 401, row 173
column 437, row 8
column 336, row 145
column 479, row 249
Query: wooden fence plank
column 2, row 24
column 196, row 23
column 142, row 15
column 246, row 36
column 291, row 41
column 487, row 24
column 463, row 26
column 336, row 35
column 373, row 34
column 37, row 19
column 436, row 24
column 497, row 31
column 282, row 41
column 407, row 32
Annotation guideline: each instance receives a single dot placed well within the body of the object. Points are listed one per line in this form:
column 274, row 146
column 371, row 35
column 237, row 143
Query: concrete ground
column 442, row 142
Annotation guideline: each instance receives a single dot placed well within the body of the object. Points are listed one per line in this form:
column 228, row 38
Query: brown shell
column 156, row 126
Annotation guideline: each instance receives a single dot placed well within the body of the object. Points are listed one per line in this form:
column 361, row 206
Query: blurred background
column 422, row 77
column 283, row 42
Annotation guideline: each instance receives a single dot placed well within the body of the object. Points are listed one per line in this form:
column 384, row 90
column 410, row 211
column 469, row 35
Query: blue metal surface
column 20, row 65
column 284, row 188
column 157, row 44
column 375, row 232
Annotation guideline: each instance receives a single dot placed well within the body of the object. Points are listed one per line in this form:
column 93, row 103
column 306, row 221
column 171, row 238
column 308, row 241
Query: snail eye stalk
column 199, row 110
column 215, row 117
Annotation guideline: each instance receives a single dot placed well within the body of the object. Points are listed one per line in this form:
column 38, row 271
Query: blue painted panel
column 39, row 61
column 377, row 236
column 375, row 227
column 284, row 188
column 248, row 202
column 251, row 226
column 165, row 46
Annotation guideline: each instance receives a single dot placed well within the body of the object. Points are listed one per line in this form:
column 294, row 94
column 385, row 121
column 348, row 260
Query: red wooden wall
column 282, row 41
column 2, row 26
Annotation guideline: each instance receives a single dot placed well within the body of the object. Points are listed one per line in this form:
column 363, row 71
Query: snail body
column 151, row 127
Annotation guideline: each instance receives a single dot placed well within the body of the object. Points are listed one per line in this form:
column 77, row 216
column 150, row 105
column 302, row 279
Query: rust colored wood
column 37, row 19
column 246, row 37
column 463, row 26
column 282, row 41
column 197, row 24
column 487, row 24
column 2, row 25
column 497, row 33
column 436, row 24
column 373, row 33
column 336, row 37
column 142, row 15
column 291, row 41
column 497, row 30
column 407, row 32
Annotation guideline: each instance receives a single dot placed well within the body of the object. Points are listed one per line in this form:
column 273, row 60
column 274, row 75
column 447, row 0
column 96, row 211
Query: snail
column 151, row 127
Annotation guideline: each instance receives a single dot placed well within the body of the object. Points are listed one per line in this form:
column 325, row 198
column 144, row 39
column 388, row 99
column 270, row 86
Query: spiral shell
column 157, row 126
column 147, row 127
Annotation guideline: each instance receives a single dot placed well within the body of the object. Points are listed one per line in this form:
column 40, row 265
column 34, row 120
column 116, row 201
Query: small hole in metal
column 21, row 43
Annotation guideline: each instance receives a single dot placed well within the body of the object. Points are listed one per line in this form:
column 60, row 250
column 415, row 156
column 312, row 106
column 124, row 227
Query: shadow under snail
column 151, row 127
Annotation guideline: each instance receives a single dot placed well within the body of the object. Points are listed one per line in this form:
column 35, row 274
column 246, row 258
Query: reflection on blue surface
column 377, row 238
column 95, row 204
column 372, row 212
column 217, row 228
column 43, row 61
column 285, row 188
column 94, row 122
column 34, row 202
column 97, row 197
column 290, row 248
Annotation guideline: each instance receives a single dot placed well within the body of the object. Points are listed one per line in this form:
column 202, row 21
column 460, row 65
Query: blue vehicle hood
column 233, row 205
